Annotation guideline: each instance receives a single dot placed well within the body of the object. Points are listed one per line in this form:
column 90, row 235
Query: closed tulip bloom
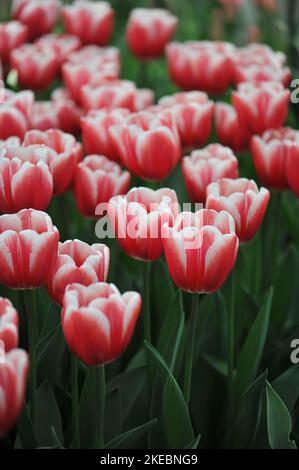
column 78, row 262
column 228, row 128
column 193, row 113
column 66, row 153
column 149, row 30
column 24, row 184
column 138, row 217
column 15, row 114
column 39, row 16
column 200, row 249
column 9, row 325
column 96, row 54
column 28, row 248
column 13, row 379
column 36, row 66
column 44, row 116
column 67, row 111
column 98, row 322
column 12, row 35
column 109, row 94
column 92, row 22
column 97, row 180
column 201, row 65
column 205, row 166
column 148, row 144
column 261, row 106
column 271, row 153
column 62, row 45
column 243, row 200
column 144, row 98
column 95, row 131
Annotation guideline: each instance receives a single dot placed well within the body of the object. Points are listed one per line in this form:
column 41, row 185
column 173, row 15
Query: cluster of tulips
column 125, row 135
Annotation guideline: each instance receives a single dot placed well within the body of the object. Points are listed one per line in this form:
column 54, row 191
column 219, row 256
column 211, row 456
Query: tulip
column 193, row 113
column 13, row 378
column 92, row 22
column 242, row 199
column 67, row 111
column 66, row 153
column 95, row 131
column 271, row 153
column 44, row 116
column 9, row 325
column 36, row 66
column 97, row 180
column 23, row 184
column 12, row 35
column 62, row 45
column 228, row 128
column 137, row 220
column 28, row 248
column 39, row 16
column 148, row 144
column 200, row 249
column 149, row 30
column 261, row 106
column 98, row 322
column 205, row 166
column 201, row 65
column 15, row 114
column 96, row 54
column 77, row 262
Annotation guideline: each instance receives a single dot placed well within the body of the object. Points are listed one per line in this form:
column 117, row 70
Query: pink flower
column 12, row 35
column 97, row 180
column 92, row 22
column 61, row 44
column 44, row 116
column 67, row 111
column 9, row 325
column 228, row 128
column 206, row 166
column 242, row 199
column 39, row 16
column 15, row 114
column 149, row 30
column 78, row 262
column 200, row 249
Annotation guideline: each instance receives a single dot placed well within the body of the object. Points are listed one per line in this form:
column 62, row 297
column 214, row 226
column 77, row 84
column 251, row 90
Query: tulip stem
column 29, row 302
column 190, row 347
column 75, row 402
column 231, row 340
column 100, row 401
column 146, row 302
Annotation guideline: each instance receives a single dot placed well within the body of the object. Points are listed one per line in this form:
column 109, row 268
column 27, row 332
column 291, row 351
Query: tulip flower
column 9, row 325
column 98, row 322
column 148, row 144
column 193, row 113
column 15, row 114
column 200, row 249
column 96, row 54
column 243, row 200
column 78, row 262
column 13, row 378
column 97, row 180
column 137, row 220
column 228, row 128
column 62, row 45
column 201, row 65
column 95, row 131
column 261, row 106
column 205, row 166
column 271, row 152
column 92, row 22
column 23, row 184
column 12, row 35
column 149, row 30
column 39, row 16
column 44, row 116
column 66, row 153
column 67, row 111
column 28, row 248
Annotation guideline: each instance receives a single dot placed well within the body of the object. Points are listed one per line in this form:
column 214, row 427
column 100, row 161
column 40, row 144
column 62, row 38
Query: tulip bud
column 9, row 325
column 39, row 16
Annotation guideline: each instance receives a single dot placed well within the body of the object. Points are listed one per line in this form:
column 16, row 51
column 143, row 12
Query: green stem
column 100, row 405
column 231, row 340
column 75, row 402
column 190, row 347
column 146, row 301
column 29, row 302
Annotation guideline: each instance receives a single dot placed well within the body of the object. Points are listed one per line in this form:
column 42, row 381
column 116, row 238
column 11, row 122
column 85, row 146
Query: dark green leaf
column 48, row 416
column 287, row 386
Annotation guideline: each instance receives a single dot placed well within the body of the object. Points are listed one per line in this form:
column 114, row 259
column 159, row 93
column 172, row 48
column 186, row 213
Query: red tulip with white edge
column 9, row 325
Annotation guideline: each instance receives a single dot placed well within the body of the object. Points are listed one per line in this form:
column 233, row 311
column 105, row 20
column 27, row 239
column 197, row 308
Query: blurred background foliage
column 266, row 317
